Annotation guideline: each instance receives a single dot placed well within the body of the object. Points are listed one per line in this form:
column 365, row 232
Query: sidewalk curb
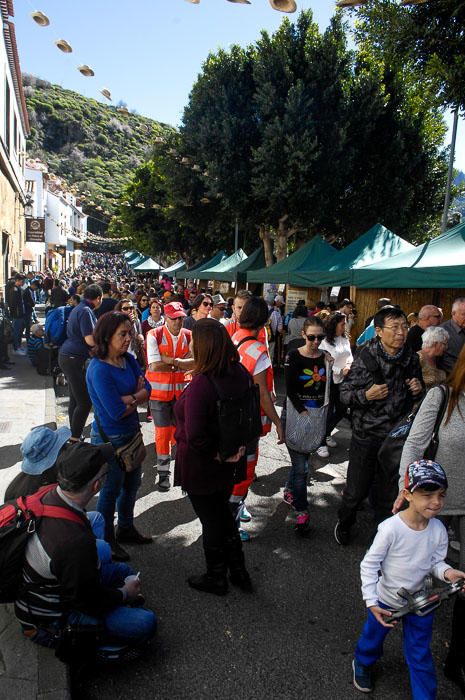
column 26, row 669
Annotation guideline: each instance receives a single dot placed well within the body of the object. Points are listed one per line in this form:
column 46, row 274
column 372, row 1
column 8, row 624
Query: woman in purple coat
column 199, row 471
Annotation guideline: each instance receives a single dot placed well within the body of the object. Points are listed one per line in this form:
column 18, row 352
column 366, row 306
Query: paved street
column 293, row 638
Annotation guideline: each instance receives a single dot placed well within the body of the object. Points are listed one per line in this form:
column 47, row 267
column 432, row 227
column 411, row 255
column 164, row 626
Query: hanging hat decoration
column 123, row 110
column 283, row 5
column 63, row 45
column 241, row 2
column 106, row 93
column 194, row 2
column 40, row 18
column 141, row 205
column 86, row 70
column 350, row 3
column 204, row 200
column 197, row 168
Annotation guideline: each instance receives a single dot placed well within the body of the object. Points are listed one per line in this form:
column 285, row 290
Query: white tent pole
column 450, row 172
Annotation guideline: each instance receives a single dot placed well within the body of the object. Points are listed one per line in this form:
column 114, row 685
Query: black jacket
column 376, row 418
column 14, row 299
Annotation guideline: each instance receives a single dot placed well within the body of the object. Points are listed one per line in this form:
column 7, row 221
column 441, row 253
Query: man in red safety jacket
column 168, row 359
column 254, row 356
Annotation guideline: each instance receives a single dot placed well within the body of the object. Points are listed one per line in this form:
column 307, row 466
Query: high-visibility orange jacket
column 249, row 352
column 169, row 385
column 232, row 326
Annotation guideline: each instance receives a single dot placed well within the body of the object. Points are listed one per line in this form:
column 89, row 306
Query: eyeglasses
column 402, row 328
column 312, row 337
column 207, row 303
column 127, row 308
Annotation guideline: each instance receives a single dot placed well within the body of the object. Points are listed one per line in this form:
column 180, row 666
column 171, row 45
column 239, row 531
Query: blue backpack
column 56, row 322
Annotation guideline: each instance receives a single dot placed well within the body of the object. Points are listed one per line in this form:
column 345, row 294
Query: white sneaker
column 20, row 351
column 331, row 442
column 323, row 452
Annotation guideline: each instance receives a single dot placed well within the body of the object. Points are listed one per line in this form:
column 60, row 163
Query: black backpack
column 239, row 418
column 18, row 521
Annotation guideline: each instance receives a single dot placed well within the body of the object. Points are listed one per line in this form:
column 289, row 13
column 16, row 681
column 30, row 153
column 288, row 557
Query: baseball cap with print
column 174, row 310
column 424, row 473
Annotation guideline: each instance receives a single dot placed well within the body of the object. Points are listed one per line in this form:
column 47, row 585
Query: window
column 7, row 115
column 15, row 133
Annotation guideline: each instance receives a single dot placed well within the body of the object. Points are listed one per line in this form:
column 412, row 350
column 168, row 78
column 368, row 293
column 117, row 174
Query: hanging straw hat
column 63, row 45
column 40, row 18
column 106, row 93
column 283, row 5
column 86, row 70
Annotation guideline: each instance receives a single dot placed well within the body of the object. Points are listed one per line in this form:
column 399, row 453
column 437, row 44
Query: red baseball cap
column 174, row 310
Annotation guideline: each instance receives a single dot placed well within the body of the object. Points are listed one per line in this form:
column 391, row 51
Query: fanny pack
column 130, row 455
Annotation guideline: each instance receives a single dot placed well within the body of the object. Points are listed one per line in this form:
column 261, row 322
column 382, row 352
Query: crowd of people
column 176, row 349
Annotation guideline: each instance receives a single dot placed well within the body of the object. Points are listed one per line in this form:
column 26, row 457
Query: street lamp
column 28, row 208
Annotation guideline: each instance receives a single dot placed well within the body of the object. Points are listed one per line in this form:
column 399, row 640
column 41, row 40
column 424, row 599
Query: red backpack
column 18, row 521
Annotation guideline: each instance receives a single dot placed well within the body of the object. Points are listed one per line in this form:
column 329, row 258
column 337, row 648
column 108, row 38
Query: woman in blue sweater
column 117, row 387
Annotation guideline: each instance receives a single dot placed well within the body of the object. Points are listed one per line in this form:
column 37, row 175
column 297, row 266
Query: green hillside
column 92, row 146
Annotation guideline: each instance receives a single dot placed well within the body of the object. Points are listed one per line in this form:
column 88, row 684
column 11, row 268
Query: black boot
column 214, row 581
column 238, row 574
column 454, row 666
column 118, row 553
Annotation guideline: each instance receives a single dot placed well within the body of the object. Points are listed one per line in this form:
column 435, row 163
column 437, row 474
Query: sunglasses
column 319, row 337
column 207, row 303
column 127, row 308
column 144, row 299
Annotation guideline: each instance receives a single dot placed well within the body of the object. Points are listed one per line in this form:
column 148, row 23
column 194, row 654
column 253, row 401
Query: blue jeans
column 297, row 479
column 119, row 489
column 417, row 632
column 18, row 328
column 124, row 626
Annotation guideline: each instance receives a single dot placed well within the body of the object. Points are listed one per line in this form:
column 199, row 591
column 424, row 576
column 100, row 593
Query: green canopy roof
column 438, row 263
column 130, row 254
column 148, row 265
column 195, row 269
column 314, row 255
column 138, row 260
column 255, row 261
column 219, row 271
column 376, row 244
column 177, row 266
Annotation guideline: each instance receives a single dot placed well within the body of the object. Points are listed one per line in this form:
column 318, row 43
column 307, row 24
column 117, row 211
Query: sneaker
column 302, row 523
column 341, row 534
column 244, row 535
column 362, row 677
column 288, row 497
column 323, row 452
column 244, row 515
column 164, row 481
column 331, row 442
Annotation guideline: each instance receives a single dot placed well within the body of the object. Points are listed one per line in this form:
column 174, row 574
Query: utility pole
column 236, row 235
column 450, row 171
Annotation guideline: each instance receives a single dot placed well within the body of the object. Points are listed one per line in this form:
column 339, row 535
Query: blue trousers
column 417, row 632
column 119, row 489
column 297, row 479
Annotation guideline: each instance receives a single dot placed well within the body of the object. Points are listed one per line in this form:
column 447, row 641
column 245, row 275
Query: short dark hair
column 243, row 294
column 76, row 298
column 105, row 329
column 388, row 312
column 214, row 350
column 199, row 298
column 106, row 287
column 93, row 291
column 313, row 321
column 255, row 313
column 300, row 311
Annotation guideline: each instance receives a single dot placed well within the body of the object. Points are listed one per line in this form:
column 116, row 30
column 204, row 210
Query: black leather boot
column 454, row 666
column 214, row 581
column 238, row 574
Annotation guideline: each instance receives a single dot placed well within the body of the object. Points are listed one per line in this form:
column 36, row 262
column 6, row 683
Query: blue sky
column 146, row 52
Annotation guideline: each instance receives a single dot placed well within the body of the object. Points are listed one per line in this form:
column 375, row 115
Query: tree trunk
column 266, row 238
column 283, row 233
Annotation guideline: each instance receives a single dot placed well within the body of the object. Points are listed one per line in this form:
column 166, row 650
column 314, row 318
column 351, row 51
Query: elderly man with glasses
column 429, row 315
column 384, row 382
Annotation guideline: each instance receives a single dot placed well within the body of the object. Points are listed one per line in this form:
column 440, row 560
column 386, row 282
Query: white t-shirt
column 153, row 352
column 341, row 354
column 405, row 557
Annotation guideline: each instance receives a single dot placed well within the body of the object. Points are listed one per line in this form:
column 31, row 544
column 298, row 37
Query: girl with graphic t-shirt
column 306, row 377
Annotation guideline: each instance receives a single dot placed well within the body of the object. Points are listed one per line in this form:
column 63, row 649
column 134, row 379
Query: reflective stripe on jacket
column 169, row 385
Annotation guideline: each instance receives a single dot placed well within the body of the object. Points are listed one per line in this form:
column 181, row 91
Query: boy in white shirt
column 407, row 547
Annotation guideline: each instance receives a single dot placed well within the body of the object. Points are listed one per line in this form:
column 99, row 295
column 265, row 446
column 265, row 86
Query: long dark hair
column 331, row 325
column 456, row 382
column 214, row 351
column 198, row 300
column 105, row 329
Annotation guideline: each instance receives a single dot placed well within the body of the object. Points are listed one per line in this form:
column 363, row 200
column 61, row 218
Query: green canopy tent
column 129, row 254
column 148, row 265
column 255, row 261
column 137, row 261
column 314, row 255
column 376, row 244
column 438, row 263
column 219, row 271
column 175, row 268
column 193, row 272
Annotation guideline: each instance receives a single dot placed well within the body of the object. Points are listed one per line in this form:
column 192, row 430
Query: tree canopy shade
column 316, row 254
column 193, row 272
column 438, row 263
column 149, row 265
column 378, row 243
column 218, row 271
